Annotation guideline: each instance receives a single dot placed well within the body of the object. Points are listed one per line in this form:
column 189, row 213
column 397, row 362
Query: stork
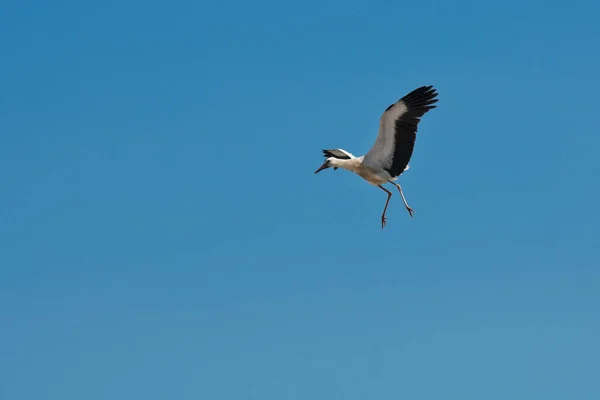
column 393, row 148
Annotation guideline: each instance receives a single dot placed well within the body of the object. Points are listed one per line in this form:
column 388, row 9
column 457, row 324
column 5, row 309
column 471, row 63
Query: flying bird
column 393, row 148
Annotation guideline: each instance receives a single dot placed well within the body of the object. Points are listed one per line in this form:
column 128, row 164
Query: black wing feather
column 335, row 154
column 417, row 102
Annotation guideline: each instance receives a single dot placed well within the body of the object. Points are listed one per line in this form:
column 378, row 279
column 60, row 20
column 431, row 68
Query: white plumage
column 393, row 148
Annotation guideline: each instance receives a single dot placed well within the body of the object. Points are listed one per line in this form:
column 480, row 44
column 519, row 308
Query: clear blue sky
column 162, row 235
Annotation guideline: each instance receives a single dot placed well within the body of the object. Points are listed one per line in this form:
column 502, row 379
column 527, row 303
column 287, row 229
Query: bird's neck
column 350, row 165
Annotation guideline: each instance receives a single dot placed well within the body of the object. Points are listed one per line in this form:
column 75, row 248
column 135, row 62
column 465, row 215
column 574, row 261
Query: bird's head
column 333, row 158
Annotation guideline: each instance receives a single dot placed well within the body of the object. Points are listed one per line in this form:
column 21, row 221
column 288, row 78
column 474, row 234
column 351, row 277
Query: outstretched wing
column 395, row 141
column 337, row 153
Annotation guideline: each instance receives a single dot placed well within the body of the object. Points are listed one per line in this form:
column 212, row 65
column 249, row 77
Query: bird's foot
column 383, row 219
column 410, row 211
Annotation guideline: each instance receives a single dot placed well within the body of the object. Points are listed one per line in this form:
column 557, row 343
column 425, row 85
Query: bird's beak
column 322, row 167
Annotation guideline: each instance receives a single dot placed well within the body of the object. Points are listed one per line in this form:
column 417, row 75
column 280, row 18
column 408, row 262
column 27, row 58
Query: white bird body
column 357, row 165
column 392, row 150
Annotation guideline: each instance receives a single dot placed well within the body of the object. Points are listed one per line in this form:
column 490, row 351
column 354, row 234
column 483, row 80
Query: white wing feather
column 381, row 155
column 347, row 153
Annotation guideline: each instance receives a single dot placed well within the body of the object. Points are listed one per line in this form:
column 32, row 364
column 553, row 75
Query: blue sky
column 162, row 234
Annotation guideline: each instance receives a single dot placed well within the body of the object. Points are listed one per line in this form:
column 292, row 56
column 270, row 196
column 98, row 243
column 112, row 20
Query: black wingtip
column 423, row 97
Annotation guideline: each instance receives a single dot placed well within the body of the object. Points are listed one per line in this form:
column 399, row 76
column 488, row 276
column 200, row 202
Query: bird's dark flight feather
column 335, row 154
column 417, row 102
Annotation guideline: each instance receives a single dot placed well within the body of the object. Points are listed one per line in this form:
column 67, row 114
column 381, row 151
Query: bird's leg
column 410, row 210
column 383, row 218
